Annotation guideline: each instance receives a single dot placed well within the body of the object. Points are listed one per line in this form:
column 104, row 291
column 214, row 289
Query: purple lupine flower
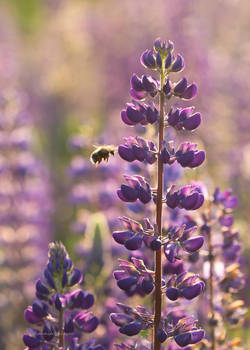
column 183, row 118
column 222, row 268
column 136, row 148
column 137, row 113
column 138, row 188
column 188, row 156
column 133, row 276
column 185, row 285
column 59, row 314
column 135, row 234
column 26, row 208
column 188, row 197
column 131, row 321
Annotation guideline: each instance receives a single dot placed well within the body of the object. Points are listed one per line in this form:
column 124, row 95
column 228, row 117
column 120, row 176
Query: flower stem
column 61, row 332
column 158, row 253
column 211, row 290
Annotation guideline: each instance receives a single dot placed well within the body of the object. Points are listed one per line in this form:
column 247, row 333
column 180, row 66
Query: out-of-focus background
column 65, row 67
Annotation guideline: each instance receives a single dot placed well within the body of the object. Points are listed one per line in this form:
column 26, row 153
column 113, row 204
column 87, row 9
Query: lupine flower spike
column 57, row 315
column 134, row 275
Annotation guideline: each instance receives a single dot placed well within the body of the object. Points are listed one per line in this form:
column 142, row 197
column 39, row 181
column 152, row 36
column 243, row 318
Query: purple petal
column 199, row 158
column 172, row 293
column 30, row 316
column 134, row 242
column 132, row 328
column 173, row 117
column 144, row 195
column 178, row 64
column 199, row 202
column 147, row 286
column 122, row 236
column 32, row 342
column 127, row 283
column 190, row 92
column 126, row 153
column 172, row 200
column 192, row 122
column 125, row 118
column 185, row 159
column 151, row 115
column 191, row 292
column 168, row 60
column 183, row 339
column 129, row 193
column 136, row 83
column 161, row 335
column 180, row 87
column 120, row 319
column 189, row 202
column 193, row 244
column 138, row 95
column 197, row 336
column 164, row 156
column 226, row 220
column 134, row 115
column 140, row 153
column 231, row 203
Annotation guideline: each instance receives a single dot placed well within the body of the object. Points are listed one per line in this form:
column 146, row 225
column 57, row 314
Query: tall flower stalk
column 59, row 315
column 173, row 239
column 158, row 253
column 223, row 269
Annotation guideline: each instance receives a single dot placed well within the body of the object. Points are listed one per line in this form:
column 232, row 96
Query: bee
column 102, row 153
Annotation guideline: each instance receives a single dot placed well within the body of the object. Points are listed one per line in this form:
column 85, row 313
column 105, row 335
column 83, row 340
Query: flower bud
column 178, row 64
column 168, row 60
column 180, row 87
column 75, row 277
column 48, row 332
column 30, row 316
column 40, row 309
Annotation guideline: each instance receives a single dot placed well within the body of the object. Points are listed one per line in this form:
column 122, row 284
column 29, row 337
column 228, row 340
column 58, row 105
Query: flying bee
column 102, row 153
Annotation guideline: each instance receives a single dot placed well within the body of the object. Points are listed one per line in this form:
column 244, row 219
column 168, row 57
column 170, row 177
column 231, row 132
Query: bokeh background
column 65, row 67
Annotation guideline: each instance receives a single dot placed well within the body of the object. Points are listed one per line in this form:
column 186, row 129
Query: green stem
column 158, row 253
column 61, row 332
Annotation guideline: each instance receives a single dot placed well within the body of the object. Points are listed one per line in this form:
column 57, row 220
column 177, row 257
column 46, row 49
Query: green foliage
column 29, row 13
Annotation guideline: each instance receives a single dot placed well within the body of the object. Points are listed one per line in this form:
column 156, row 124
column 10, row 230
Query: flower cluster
column 25, row 210
column 184, row 285
column 222, row 264
column 188, row 197
column 58, row 315
column 183, row 329
column 181, row 237
column 136, row 148
column 134, row 276
column 137, row 188
column 135, row 234
column 131, row 321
